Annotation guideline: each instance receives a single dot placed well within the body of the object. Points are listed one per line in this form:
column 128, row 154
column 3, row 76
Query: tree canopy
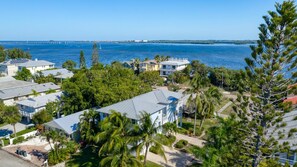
column 100, row 86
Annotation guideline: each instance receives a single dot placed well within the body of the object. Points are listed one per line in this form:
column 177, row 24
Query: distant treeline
column 238, row 42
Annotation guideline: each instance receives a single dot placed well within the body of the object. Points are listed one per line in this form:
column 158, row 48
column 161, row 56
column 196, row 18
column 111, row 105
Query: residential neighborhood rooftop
column 68, row 124
column 40, row 101
column 26, row 90
column 58, row 73
column 175, row 61
column 150, row 102
column 11, row 83
column 27, row 62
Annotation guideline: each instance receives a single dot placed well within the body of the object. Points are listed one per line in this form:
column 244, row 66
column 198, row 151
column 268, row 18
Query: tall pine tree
column 95, row 55
column 82, row 60
column 271, row 69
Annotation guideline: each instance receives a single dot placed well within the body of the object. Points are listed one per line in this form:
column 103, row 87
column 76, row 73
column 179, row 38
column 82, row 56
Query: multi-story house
column 149, row 65
column 172, row 65
column 12, row 90
column 162, row 105
column 31, row 106
column 11, row 67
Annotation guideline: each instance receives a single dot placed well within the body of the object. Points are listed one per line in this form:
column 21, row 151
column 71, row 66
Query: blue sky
column 131, row 19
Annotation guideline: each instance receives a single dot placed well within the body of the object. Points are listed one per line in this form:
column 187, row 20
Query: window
column 164, row 66
column 173, row 67
column 160, row 112
column 159, row 123
column 164, row 73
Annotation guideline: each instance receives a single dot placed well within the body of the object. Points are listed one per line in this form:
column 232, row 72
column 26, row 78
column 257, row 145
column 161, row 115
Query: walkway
column 9, row 128
column 224, row 108
column 174, row 157
column 192, row 140
column 7, row 160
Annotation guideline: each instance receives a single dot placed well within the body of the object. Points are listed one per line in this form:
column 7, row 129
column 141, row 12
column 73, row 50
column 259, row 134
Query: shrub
column 181, row 143
column 292, row 131
column 166, row 140
column 19, row 140
column 182, row 131
column 57, row 156
column 153, row 150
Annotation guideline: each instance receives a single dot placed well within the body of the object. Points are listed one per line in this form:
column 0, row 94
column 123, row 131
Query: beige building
column 11, row 67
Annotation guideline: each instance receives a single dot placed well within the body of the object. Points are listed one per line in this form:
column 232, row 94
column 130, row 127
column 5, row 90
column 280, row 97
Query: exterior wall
column 9, row 70
column 28, row 111
column 9, row 102
column 166, row 70
column 35, row 69
column 149, row 67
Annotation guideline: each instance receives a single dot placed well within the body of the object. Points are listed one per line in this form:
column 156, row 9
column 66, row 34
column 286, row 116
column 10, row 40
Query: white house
column 33, row 105
column 61, row 73
column 12, row 90
column 163, row 105
column 12, row 66
column 172, row 65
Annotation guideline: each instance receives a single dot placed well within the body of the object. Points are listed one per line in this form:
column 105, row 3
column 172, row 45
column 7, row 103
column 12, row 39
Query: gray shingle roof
column 40, row 101
column 11, row 84
column 68, row 124
column 7, row 78
column 150, row 102
column 26, row 90
column 56, row 72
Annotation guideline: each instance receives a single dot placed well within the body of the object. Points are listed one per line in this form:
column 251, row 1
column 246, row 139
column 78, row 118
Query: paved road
column 8, row 160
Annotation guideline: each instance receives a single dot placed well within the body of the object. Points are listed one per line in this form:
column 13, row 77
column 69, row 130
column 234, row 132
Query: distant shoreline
column 206, row 42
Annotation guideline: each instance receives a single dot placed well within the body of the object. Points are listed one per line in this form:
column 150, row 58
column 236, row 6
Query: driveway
column 8, row 129
column 8, row 160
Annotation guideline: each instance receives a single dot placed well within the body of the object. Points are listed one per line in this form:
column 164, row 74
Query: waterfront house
column 172, row 65
column 31, row 106
column 163, row 105
column 149, row 65
column 12, row 66
column 12, row 90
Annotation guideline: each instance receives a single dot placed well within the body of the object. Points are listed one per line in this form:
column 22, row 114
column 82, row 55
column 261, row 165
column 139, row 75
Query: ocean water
column 215, row 55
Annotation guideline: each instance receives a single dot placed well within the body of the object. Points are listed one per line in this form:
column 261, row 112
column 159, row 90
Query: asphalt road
column 8, row 160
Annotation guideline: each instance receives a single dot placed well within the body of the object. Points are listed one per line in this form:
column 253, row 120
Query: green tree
column 271, row 68
column 136, row 64
column 88, row 125
column 95, row 54
column 69, row 65
column 17, row 53
column 158, row 59
column 2, row 54
column 53, row 108
column 57, row 143
column 170, row 128
column 12, row 116
column 114, row 139
column 42, row 117
column 152, row 78
column 146, row 136
column 24, row 74
column 222, row 146
column 82, row 60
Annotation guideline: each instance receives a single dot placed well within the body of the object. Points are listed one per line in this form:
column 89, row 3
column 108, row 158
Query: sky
column 132, row 19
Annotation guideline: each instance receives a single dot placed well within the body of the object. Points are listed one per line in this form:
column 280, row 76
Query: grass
column 86, row 158
column 24, row 131
column 2, row 124
column 152, row 164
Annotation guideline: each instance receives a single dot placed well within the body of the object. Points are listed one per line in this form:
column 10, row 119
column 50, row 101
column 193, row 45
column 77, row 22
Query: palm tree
column 87, row 125
column 114, row 139
column 35, row 93
column 12, row 116
column 158, row 58
column 194, row 101
column 170, row 128
column 146, row 132
column 122, row 158
column 136, row 64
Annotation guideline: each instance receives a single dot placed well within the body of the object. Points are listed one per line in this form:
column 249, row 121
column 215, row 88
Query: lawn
column 24, row 131
column 88, row 157
column 152, row 164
